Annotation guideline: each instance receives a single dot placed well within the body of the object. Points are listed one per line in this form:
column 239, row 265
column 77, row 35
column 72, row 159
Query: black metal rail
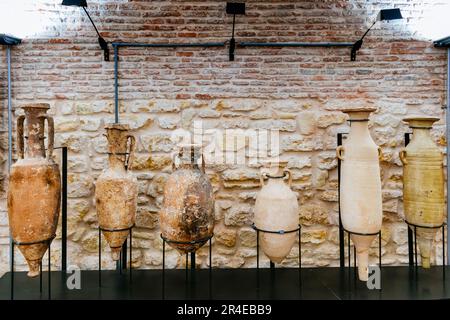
column 296, row 44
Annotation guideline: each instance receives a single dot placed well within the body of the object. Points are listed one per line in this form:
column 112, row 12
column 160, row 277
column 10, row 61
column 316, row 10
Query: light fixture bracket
column 389, row 14
column 356, row 46
column 104, row 45
column 102, row 42
column 383, row 15
column 234, row 8
column 442, row 43
column 76, row 3
column 7, row 40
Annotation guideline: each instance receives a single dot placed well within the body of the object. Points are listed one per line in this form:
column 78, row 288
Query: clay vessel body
column 360, row 186
column 423, row 184
column 276, row 209
column 34, row 187
column 116, row 189
column 187, row 213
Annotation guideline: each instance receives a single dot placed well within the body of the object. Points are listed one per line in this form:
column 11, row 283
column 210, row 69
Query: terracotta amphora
column 423, row 184
column 360, row 187
column 187, row 213
column 34, row 187
column 116, row 189
column 276, row 209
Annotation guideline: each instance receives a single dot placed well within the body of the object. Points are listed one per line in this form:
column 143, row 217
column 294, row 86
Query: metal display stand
column 280, row 232
column 444, row 43
column 412, row 235
column 272, row 264
column 121, row 264
column 342, row 232
column 165, row 240
column 193, row 261
column 412, row 245
column 349, row 258
column 49, row 240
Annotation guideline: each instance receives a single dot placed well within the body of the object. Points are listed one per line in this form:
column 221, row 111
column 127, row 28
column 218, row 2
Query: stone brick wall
column 297, row 90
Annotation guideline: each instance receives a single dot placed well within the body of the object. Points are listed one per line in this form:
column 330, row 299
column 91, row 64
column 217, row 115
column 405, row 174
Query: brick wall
column 297, row 90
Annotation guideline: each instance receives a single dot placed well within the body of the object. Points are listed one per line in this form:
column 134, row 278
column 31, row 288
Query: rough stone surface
column 227, row 237
column 307, row 122
column 313, row 214
column 296, row 90
column 329, row 119
column 247, row 237
column 239, row 215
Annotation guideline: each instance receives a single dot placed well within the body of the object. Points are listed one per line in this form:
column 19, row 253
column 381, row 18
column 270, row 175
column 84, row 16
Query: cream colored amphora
column 34, row 187
column 423, row 185
column 117, row 189
column 276, row 209
column 360, row 186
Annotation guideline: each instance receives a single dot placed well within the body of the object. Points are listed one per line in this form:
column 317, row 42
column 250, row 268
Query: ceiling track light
column 102, row 42
column 234, row 8
column 442, row 43
column 383, row 15
column 7, row 40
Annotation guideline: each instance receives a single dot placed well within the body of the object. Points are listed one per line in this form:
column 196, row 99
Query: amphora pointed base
column 425, row 238
column 33, row 254
column 362, row 244
column 115, row 240
column 277, row 246
column 188, row 247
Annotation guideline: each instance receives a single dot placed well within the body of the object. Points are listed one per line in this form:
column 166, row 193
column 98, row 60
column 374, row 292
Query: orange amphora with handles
column 34, row 187
column 187, row 214
column 116, row 189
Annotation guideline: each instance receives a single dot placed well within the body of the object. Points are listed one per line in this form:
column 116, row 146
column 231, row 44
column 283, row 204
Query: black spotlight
column 102, row 42
column 78, row 3
column 441, row 43
column 383, row 15
column 234, row 8
column 389, row 14
column 7, row 40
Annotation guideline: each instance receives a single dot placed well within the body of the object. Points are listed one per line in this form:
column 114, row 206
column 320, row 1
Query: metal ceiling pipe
column 117, row 45
column 445, row 43
column 296, row 44
column 116, row 83
column 169, row 45
column 447, row 126
column 8, row 62
column 9, row 41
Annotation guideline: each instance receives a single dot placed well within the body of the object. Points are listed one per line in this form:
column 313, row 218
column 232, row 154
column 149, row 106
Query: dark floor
column 235, row 284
